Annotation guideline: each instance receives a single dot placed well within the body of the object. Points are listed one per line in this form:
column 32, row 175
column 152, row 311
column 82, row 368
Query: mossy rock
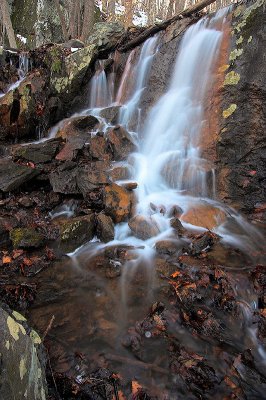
column 75, row 232
column 26, row 238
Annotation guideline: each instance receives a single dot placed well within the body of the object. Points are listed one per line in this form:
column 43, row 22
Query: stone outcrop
column 241, row 151
column 117, row 202
column 143, row 227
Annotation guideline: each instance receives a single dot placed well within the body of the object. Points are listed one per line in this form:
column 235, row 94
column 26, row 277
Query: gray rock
column 105, row 228
column 22, row 373
column 38, row 153
column 64, row 179
column 75, row 232
column 12, row 175
column 106, row 35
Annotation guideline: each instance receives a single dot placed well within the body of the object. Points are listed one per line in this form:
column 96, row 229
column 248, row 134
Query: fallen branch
column 159, row 27
column 48, row 327
column 140, row 364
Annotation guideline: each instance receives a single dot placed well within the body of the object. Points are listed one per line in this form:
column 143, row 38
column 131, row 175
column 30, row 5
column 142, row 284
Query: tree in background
column 7, row 24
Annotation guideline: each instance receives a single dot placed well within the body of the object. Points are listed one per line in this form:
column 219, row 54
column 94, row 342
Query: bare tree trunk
column 7, row 23
column 72, row 15
column 62, row 19
column 111, row 10
column 128, row 13
column 88, row 19
column 170, row 9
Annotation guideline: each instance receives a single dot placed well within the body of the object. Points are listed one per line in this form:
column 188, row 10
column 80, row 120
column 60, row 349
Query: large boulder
column 13, row 175
column 121, row 142
column 76, row 132
column 143, row 227
column 22, row 372
column 204, row 215
column 105, row 228
column 76, row 231
column 39, row 152
column 64, row 178
column 68, row 72
column 117, row 202
column 106, row 35
column 23, row 108
column 92, row 176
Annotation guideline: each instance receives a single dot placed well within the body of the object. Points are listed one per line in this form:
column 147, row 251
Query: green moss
column 249, row 14
column 56, row 60
column 232, row 78
column 69, row 229
column 240, row 40
column 229, row 111
column 235, row 54
column 25, row 237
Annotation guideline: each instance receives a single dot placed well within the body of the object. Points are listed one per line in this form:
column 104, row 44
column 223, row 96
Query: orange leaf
column 135, row 387
column 27, row 262
column 175, row 274
column 6, row 260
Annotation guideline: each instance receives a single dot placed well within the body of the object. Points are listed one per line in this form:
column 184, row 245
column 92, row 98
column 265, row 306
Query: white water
column 23, row 69
column 130, row 110
column 100, row 90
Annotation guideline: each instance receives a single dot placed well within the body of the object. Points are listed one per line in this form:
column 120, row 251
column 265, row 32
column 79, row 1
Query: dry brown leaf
column 6, row 260
column 136, row 387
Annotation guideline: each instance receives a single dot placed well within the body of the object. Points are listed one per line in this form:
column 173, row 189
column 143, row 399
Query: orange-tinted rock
column 168, row 247
column 117, row 202
column 120, row 142
column 119, row 173
column 99, row 148
column 92, row 176
column 143, row 227
column 205, row 216
column 77, row 126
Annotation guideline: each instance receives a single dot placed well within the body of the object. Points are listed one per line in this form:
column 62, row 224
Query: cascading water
column 99, row 88
column 23, row 69
column 130, row 110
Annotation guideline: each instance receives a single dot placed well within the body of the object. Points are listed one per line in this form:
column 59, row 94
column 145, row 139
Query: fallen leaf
column 6, row 260
column 136, row 387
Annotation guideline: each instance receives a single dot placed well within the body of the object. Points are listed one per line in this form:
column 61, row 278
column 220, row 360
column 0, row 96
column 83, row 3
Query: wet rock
column 105, row 228
column 69, row 71
column 106, row 35
column 64, row 179
column 143, row 227
column 204, row 215
column 23, row 109
column 129, row 185
column 38, row 153
column 168, row 247
column 177, row 225
column 175, row 212
column 92, row 176
column 99, row 148
column 118, row 173
column 4, row 232
column 74, row 43
column 204, row 243
column 117, row 202
column 26, row 201
column 120, row 142
column 75, row 232
column 12, row 175
column 26, row 238
column 22, row 373
column 76, row 132
column 111, row 114
column 77, row 126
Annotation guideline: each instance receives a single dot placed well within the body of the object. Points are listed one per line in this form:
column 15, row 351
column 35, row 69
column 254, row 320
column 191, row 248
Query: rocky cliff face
column 241, row 143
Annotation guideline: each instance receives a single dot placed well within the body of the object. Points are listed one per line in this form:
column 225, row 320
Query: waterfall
column 22, row 70
column 100, row 95
column 130, row 110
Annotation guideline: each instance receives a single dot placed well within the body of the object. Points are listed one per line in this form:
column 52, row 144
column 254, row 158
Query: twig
column 141, row 364
column 48, row 327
